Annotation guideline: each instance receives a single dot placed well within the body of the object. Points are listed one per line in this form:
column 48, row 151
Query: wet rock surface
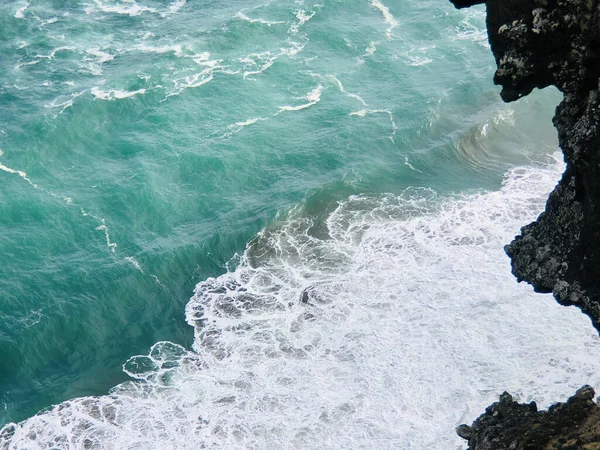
column 540, row 43
column 509, row 425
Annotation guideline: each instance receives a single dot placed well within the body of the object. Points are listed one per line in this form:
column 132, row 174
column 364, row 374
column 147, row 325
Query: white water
column 411, row 324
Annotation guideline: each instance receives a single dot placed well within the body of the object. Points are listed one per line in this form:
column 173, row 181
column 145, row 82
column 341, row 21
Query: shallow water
column 145, row 144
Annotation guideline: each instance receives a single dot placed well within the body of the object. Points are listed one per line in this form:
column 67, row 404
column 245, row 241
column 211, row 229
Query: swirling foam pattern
column 146, row 142
column 381, row 327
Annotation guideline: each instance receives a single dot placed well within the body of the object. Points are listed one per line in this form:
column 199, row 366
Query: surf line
column 389, row 19
column 69, row 202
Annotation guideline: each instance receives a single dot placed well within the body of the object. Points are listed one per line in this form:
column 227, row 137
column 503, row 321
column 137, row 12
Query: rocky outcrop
column 508, row 425
column 540, row 43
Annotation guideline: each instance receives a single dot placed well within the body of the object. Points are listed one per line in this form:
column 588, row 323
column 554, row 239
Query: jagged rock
column 509, row 425
column 539, row 43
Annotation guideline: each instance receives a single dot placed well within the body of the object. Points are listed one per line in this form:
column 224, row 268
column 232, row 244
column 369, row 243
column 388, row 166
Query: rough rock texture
column 538, row 43
column 508, row 425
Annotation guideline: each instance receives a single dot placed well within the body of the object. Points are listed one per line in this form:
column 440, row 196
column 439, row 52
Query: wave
column 390, row 20
column 176, row 5
column 19, row 14
column 512, row 133
column 119, row 8
column 472, row 27
column 381, row 325
column 240, row 15
column 313, row 97
column 114, row 94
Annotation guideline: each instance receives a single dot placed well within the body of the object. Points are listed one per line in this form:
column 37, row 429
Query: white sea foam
column 33, row 318
column 417, row 61
column 256, row 63
column 176, row 6
column 261, row 60
column 203, row 58
column 49, row 21
column 240, row 15
column 19, row 14
column 302, row 17
column 101, row 56
column 382, row 327
column 102, row 227
column 192, row 81
column 69, row 202
column 293, row 48
column 313, row 97
column 189, row 82
column 53, row 53
column 410, row 166
column 94, row 65
column 197, row 80
column 114, row 94
column 119, row 8
column 418, row 56
column 390, row 20
column 135, row 263
column 239, row 126
column 371, row 48
column 472, row 28
column 30, row 63
column 369, row 51
column 44, row 22
column 349, row 94
column 175, row 48
column 64, row 104
column 248, row 122
column 21, row 173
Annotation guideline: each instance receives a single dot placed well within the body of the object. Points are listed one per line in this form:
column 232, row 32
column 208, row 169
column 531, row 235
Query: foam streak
column 343, row 340
column 390, row 20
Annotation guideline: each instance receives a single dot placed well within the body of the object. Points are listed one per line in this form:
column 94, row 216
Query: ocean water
column 269, row 225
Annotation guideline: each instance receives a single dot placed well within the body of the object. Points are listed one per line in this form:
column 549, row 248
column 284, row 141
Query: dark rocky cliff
column 540, row 43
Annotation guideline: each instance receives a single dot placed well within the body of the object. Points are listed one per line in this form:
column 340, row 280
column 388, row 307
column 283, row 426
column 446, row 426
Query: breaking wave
column 382, row 325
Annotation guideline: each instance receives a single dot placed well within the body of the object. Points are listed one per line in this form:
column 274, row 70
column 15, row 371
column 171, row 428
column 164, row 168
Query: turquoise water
column 144, row 144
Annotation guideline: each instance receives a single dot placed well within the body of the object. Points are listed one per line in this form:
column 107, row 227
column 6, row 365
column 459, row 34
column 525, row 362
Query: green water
column 126, row 200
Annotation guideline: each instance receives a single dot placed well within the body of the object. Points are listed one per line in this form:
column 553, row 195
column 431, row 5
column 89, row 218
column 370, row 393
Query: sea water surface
column 331, row 182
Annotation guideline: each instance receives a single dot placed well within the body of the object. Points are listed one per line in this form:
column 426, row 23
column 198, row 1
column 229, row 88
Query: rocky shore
column 536, row 44
column 508, row 425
